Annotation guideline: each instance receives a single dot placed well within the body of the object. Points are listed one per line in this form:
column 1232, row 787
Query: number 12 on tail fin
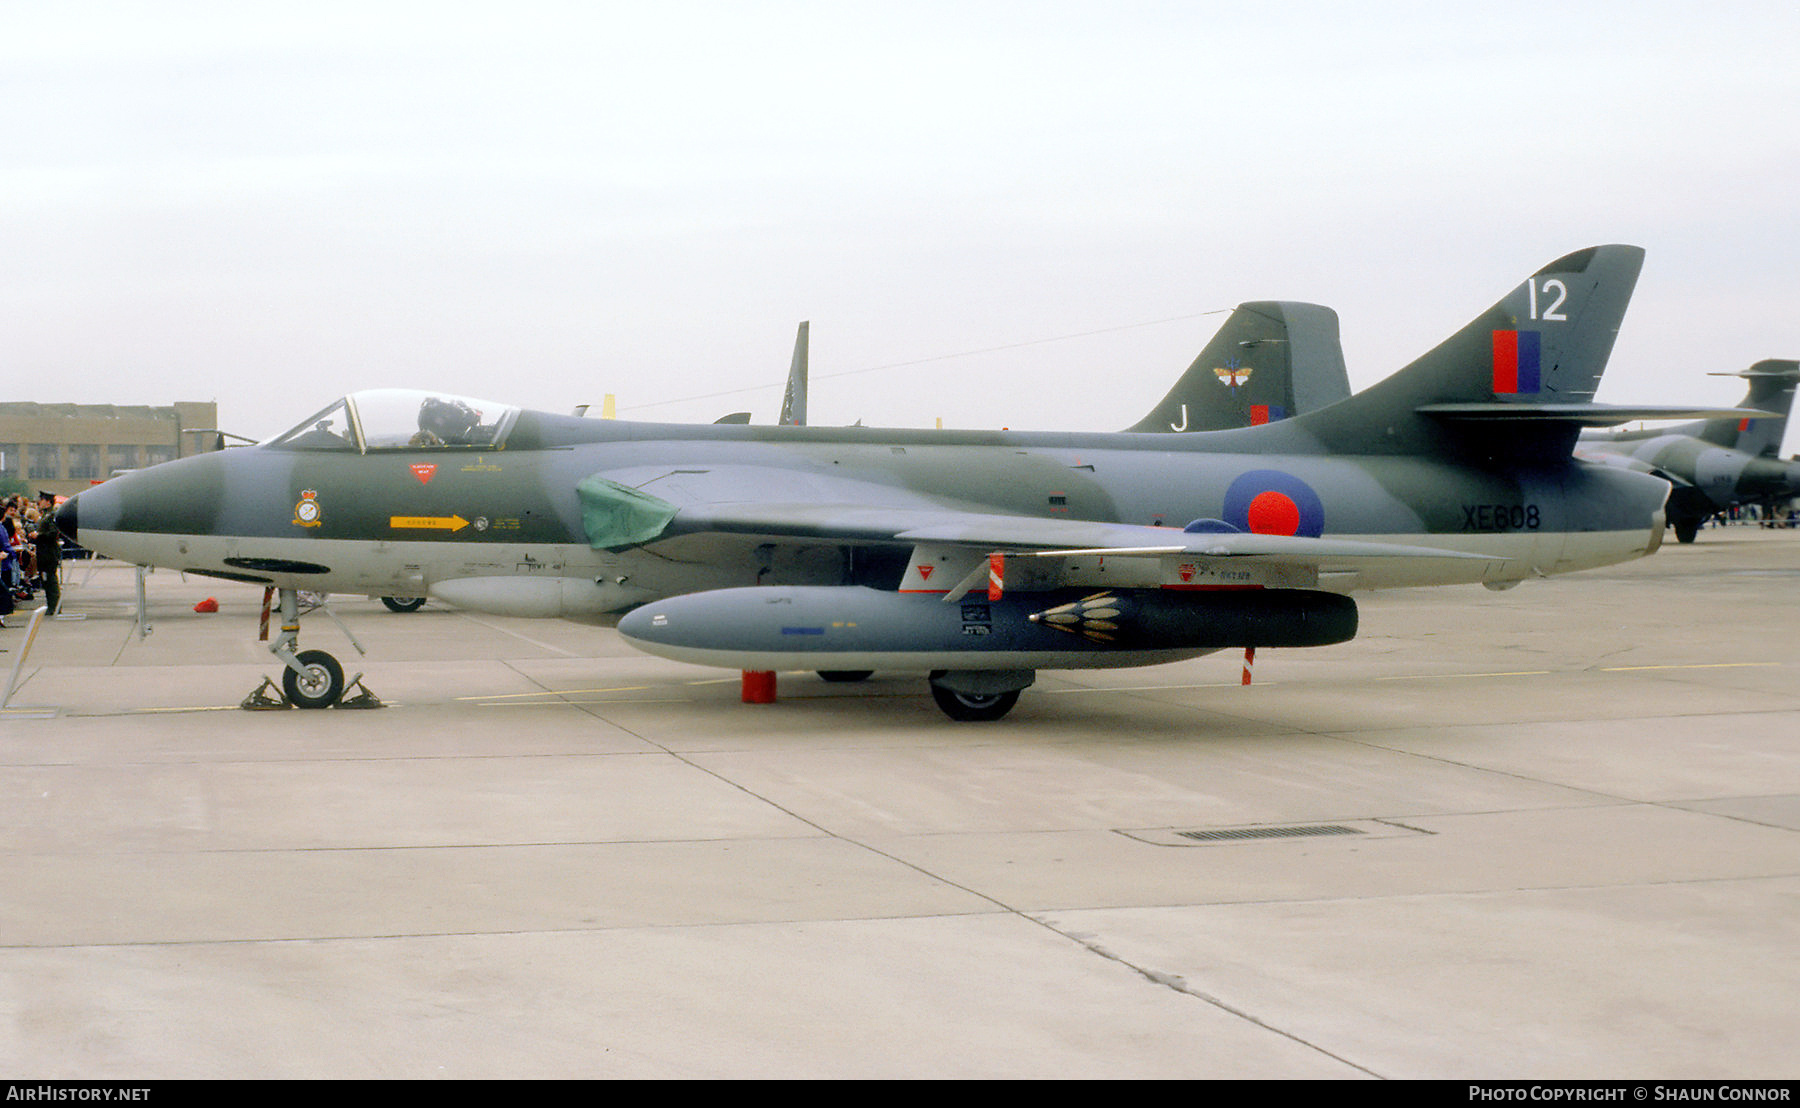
column 1553, row 312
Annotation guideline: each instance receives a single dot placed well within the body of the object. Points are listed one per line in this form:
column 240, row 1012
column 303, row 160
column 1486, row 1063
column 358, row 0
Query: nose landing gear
column 311, row 678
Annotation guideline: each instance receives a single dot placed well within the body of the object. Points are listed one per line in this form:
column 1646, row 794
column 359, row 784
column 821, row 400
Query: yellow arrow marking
column 427, row 523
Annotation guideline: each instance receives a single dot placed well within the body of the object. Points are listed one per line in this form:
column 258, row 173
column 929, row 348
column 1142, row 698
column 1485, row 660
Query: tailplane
column 1772, row 384
column 1271, row 360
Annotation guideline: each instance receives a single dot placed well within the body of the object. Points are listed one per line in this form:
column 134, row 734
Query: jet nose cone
column 66, row 519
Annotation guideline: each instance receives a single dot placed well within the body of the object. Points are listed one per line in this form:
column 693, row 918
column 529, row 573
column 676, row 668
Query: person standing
column 49, row 553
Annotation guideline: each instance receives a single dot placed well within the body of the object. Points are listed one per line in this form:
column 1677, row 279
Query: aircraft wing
column 1029, row 535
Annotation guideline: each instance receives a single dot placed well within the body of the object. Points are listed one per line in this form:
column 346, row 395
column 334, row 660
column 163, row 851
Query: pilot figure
column 443, row 422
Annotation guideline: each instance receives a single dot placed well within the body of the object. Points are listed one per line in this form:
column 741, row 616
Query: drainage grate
column 1362, row 830
column 1238, row 834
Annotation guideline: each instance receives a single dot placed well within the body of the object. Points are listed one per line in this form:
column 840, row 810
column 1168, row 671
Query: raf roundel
column 1270, row 502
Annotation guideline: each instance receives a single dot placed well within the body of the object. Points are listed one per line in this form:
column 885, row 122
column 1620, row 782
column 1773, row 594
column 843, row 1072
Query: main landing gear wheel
column 319, row 686
column 403, row 603
column 846, row 675
column 972, row 707
column 1686, row 530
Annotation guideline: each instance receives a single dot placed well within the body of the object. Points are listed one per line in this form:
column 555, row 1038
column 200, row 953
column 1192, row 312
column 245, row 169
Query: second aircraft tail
column 1270, row 361
column 1772, row 384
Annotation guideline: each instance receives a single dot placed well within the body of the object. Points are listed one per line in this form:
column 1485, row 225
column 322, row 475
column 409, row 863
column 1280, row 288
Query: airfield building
column 64, row 448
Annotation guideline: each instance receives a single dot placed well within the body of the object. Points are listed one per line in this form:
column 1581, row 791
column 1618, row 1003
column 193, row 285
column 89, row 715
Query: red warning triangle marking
column 423, row 472
column 925, row 572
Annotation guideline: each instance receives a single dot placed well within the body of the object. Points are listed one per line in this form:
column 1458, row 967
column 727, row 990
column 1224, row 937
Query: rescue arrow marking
column 427, row 523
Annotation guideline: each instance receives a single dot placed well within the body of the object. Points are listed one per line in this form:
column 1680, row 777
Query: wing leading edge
column 1027, row 535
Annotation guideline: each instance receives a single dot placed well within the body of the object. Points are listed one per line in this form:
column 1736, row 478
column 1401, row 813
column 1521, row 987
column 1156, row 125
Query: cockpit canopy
column 403, row 419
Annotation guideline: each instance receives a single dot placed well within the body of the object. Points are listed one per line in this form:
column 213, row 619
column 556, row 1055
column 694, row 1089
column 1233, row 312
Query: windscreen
column 327, row 429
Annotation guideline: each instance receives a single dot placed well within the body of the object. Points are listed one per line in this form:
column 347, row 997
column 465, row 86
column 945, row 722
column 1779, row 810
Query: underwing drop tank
column 855, row 628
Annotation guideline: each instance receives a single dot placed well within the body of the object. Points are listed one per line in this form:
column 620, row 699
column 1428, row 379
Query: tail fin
column 1270, row 361
column 1772, row 384
column 793, row 402
column 1518, row 381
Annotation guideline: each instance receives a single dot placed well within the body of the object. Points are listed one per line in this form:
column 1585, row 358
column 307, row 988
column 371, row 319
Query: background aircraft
column 1272, row 360
column 976, row 556
column 1716, row 463
column 1242, row 378
column 793, row 398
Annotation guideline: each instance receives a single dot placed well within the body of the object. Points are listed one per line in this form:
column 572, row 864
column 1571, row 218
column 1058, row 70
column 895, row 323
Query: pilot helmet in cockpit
column 449, row 420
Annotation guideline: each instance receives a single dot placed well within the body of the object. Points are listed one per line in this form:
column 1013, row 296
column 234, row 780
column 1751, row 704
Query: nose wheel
column 318, row 683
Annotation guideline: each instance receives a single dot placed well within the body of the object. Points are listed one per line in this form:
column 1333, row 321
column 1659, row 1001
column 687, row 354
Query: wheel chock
column 363, row 699
column 260, row 701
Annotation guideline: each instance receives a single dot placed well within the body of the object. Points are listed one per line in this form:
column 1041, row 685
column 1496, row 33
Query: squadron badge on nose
column 306, row 512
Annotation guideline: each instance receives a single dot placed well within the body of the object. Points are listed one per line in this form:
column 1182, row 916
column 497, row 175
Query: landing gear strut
column 311, row 678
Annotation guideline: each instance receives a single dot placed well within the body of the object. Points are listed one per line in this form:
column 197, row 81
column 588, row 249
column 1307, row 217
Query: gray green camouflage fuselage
column 517, row 512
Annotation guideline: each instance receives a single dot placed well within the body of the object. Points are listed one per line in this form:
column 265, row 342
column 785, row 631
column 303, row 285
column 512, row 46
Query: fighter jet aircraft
column 1716, row 463
column 977, row 557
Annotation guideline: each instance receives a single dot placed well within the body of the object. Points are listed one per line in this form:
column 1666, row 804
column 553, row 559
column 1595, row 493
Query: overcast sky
column 1001, row 214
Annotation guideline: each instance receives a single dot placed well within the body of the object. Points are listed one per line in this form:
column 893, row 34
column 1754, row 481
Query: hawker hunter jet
column 1716, row 463
column 976, row 557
